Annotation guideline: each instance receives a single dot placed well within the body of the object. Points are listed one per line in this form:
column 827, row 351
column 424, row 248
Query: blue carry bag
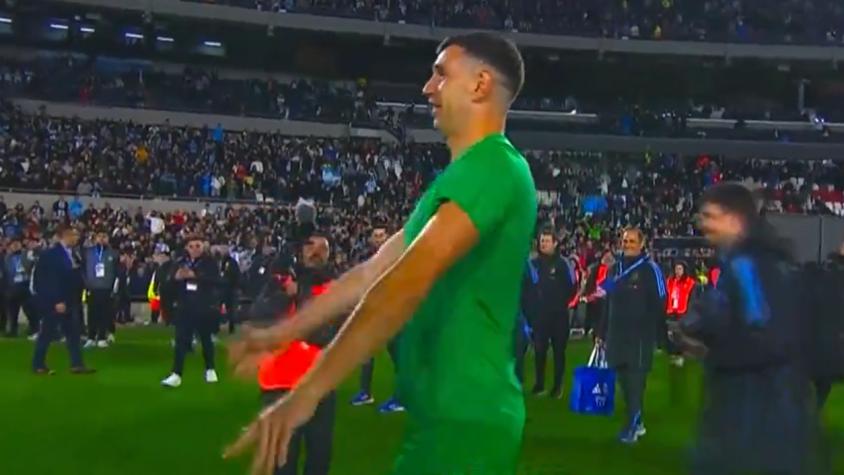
column 593, row 392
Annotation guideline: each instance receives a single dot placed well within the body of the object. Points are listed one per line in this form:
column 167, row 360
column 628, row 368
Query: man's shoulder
column 494, row 153
column 49, row 254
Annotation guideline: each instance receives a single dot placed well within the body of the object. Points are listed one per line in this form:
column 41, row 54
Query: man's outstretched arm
column 347, row 291
column 390, row 303
column 385, row 308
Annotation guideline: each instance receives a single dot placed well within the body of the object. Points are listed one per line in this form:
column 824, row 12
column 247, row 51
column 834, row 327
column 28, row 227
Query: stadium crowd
column 71, row 78
column 803, row 21
column 587, row 197
column 91, row 158
column 111, row 82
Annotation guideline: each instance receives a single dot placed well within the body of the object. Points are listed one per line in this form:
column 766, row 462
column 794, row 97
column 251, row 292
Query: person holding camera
column 194, row 286
column 280, row 372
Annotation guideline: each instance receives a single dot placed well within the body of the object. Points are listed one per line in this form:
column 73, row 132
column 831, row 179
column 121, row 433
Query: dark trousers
column 593, row 315
column 154, row 316
column 316, row 435
column 32, row 316
column 757, row 422
column 188, row 324
column 50, row 324
column 369, row 367
column 551, row 331
column 231, row 312
column 522, row 343
column 230, row 316
column 633, row 382
column 4, row 315
column 19, row 299
column 100, row 313
column 123, row 311
column 822, row 390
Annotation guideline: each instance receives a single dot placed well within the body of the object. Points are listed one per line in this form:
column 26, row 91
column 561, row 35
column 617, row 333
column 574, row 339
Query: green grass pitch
column 121, row 422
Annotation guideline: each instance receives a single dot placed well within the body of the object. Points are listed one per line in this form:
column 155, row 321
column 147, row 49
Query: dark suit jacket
column 57, row 280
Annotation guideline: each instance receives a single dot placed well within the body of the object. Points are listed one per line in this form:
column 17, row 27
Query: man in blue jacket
column 58, row 284
column 757, row 416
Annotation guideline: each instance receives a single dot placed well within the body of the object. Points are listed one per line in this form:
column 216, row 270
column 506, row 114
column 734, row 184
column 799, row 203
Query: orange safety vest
column 679, row 293
column 714, row 275
column 603, row 270
column 577, row 277
column 284, row 368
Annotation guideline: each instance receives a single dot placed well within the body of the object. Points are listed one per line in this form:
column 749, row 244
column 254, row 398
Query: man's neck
column 632, row 257
column 478, row 127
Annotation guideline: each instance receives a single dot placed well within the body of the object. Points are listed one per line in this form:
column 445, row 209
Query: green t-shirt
column 456, row 355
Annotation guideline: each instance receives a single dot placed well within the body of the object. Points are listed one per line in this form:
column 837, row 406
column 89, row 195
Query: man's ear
column 484, row 85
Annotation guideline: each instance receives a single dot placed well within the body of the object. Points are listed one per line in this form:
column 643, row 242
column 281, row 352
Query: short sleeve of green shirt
column 480, row 183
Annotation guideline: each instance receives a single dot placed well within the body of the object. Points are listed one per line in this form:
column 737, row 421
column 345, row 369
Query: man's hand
column 690, row 346
column 271, row 432
column 291, row 288
column 182, row 273
column 61, row 308
column 246, row 352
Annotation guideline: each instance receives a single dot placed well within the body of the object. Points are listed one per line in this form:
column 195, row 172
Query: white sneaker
column 89, row 344
column 33, row 337
column 110, row 338
column 101, row 344
column 172, row 381
column 211, row 376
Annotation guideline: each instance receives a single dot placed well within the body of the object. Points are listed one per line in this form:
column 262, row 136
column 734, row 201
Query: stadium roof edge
column 301, row 21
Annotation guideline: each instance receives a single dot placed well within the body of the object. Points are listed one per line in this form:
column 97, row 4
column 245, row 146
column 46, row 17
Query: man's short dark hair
column 63, row 229
column 548, row 232
column 734, row 198
column 193, row 238
column 495, row 50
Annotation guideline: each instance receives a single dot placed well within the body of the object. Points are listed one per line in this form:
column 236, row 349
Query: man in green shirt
column 450, row 281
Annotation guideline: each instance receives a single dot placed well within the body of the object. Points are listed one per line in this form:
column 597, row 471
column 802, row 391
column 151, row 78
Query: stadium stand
column 758, row 21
